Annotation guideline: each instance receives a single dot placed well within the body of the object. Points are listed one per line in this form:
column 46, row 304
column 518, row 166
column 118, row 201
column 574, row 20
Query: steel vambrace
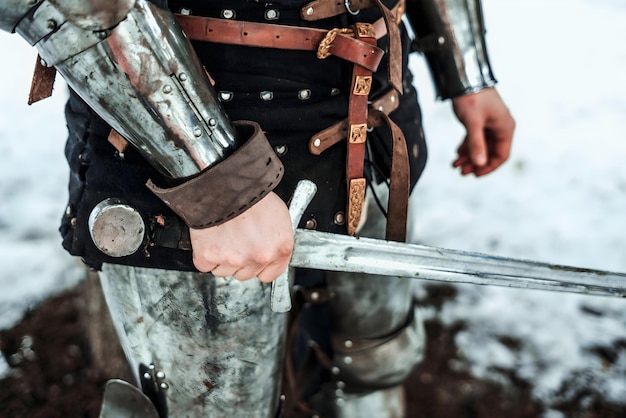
column 451, row 34
column 131, row 62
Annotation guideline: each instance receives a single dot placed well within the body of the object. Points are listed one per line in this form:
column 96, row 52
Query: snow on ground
column 560, row 199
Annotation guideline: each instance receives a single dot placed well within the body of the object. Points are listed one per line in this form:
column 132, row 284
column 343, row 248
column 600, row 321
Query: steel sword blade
column 325, row 251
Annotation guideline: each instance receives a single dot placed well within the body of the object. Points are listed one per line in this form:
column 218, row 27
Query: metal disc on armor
column 117, row 229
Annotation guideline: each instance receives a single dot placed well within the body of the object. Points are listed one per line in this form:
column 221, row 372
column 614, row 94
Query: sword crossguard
column 280, row 295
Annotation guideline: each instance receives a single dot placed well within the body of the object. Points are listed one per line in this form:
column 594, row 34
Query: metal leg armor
column 377, row 337
column 199, row 345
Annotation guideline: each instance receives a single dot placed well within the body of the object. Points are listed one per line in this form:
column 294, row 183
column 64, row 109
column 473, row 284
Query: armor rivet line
column 311, row 224
column 304, row 94
column 348, row 343
column 212, row 122
column 335, row 370
column 197, row 132
column 160, row 375
column 339, row 393
column 182, row 77
column 340, row 402
column 147, row 376
column 309, row 11
column 317, row 142
column 347, row 360
column 266, row 95
column 167, row 89
column 228, row 14
column 339, row 218
column 340, row 384
column 164, row 386
column 271, row 14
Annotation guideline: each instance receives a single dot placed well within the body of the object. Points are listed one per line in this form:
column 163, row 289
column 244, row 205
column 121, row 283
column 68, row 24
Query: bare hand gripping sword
column 326, row 251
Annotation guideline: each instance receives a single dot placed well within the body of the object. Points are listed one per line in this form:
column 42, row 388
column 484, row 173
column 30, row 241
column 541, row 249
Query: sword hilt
column 280, row 296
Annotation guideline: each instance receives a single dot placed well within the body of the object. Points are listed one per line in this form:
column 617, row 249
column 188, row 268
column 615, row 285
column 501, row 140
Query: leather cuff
column 227, row 189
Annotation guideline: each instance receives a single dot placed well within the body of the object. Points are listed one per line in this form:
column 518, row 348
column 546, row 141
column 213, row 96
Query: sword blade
column 324, row 251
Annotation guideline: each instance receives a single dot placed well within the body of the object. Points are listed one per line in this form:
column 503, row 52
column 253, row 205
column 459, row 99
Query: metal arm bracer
column 451, row 34
column 130, row 61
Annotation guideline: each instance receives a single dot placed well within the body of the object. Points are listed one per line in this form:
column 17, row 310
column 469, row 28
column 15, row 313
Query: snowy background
column 560, row 199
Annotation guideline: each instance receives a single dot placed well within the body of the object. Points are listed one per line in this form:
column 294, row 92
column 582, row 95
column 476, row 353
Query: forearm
column 450, row 33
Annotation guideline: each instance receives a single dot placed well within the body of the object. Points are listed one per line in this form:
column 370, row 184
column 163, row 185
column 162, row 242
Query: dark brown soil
column 55, row 373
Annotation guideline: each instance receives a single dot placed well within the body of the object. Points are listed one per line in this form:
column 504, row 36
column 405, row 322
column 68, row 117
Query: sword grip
column 280, row 296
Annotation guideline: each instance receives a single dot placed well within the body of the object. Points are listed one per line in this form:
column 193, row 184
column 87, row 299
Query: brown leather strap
column 399, row 183
column 325, row 139
column 42, row 83
column 265, row 35
column 321, row 9
column 357, row 132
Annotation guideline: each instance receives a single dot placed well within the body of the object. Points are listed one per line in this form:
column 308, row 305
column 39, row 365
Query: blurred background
column 561, row 198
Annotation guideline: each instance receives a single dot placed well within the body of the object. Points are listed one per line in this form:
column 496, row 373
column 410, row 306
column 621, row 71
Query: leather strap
column 42, row 83
column 325, row 139
column 357, row 132
column 265, row 35
column 387, row 25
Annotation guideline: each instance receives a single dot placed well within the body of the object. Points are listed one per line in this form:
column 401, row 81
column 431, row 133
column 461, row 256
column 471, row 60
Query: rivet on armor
column 160, row 375
column 334, row 91
column 197, row 132
column 266, row 95
column 228, row 14
column 347, row 360
column 212, row 122
column 283, row 397
column 182, row 77
column 304, row 94
column 185, row 11
column 311, row 224
column 68, row 210
column 102, row 34
column 340, row 384
column 339, row 218
column 152, row 367
column 73, row 222
column 271, row 14
column 147, row 376
column 335, row 370
column 164, row 386
column 43, row 62
column 348, row 343
column 317, row 142
column 226, row 96
column 315, row 296
column 309, row 11
column 51, row 24
column 340, row 402
column 441, row 40
column 167, row 89
column 339, row 393
column 281, row 150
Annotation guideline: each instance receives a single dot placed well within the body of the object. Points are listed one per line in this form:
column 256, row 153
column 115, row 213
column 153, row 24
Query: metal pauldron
column 451, row 34
column 130, row 61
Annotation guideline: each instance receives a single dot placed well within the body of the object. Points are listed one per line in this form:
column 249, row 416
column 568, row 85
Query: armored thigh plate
column 201, row 346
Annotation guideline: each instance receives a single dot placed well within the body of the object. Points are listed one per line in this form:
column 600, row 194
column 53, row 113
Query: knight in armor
column 190, row 124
